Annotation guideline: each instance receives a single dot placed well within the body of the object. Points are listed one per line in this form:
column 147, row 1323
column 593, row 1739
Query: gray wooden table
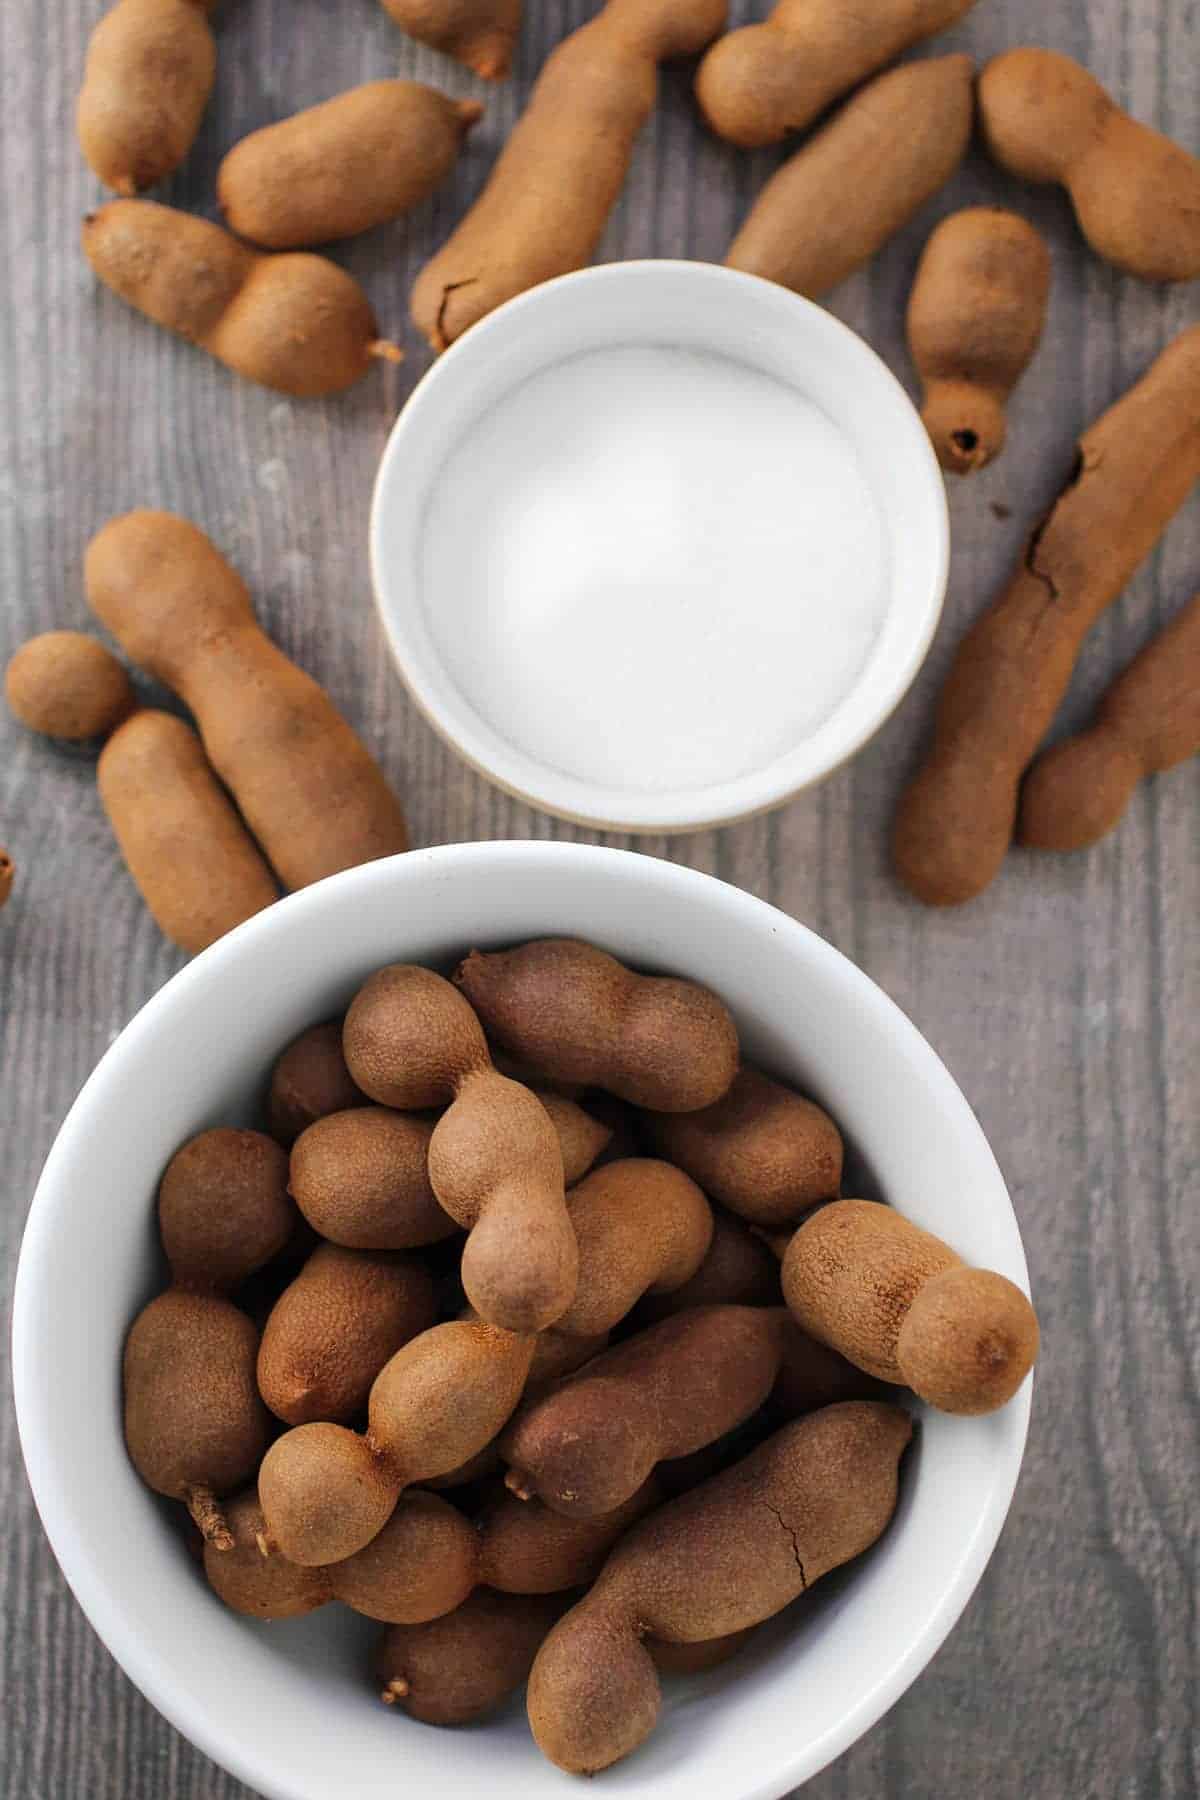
column 1066, row 1000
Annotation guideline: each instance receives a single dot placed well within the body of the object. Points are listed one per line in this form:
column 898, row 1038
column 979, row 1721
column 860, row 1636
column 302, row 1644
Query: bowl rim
column 147, row 1669
column 684, row 809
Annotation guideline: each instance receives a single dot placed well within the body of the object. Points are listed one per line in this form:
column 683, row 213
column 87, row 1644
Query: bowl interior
column 693, row 306
column 288, row 1707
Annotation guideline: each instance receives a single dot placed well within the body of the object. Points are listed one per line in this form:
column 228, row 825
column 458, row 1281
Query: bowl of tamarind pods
column 529, row 1288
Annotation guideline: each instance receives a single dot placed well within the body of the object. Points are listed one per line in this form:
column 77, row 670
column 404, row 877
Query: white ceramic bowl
column 698, row 307
column 288, row 1707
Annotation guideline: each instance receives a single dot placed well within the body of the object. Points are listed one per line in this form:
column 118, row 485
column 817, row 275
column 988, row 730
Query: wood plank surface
column 1066, row 1001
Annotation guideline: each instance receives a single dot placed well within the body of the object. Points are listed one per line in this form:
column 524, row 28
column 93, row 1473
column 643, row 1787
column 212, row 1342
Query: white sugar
column 653, row 568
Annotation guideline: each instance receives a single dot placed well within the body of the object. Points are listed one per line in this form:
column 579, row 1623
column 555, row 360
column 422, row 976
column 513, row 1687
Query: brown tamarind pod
column 897, row 1302
column 719, row 1560
column 1134, row 469
column 593, row 1439
column 326, row 1491
column 975, row 317
column 762, row 1150
column 1149, row 720
column 495, row 1162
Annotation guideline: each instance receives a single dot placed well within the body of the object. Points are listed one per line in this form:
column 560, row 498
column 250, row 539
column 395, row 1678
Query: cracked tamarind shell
column 726, row 1556
column 1134, row 468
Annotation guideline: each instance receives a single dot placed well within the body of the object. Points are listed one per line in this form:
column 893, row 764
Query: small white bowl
column 696, row 307
column 289, row 1707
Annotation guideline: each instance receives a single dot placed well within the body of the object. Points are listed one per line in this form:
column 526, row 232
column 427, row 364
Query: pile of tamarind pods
column 271, row 788
column 436, row 1348
column 368, row 155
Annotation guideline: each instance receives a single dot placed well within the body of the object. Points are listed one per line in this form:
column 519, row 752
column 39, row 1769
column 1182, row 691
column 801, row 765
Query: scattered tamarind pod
column 223, row 1208
column 581, row 1138
column 975, row 317
column 757, row 85
column 1136, row 194
column 897, row 1302
column 421, row 1564
column 527, row 1548
column 737, row 1270
column 195, row 1427
column 309, row 1081
column 555, row 1355
column 480, row 33
column 8, row 873
column 584, row 1447
column 326, row 1491
column 761, row 1149
column 1134, row 468
column 339, row 168
column 411, row 1040
column 304, row 782
column 723, row 1558
column 65, row 684
column 1148, row 721
column 467, row 1663
column 578, row 1013
column 191, row 858
column 295, row 322
column 642, row 1226
column 329, row 1333
column 149, row 72
column 361, row 1179
column 595, row 92
column 892, row 145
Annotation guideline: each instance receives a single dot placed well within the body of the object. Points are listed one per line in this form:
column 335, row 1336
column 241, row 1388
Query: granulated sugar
column 653, row 568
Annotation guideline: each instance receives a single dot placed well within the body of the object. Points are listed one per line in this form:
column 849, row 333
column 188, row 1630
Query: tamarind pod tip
column 210, row 1520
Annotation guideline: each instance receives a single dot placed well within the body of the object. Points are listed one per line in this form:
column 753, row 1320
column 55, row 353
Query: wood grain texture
column 1066, row 1000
